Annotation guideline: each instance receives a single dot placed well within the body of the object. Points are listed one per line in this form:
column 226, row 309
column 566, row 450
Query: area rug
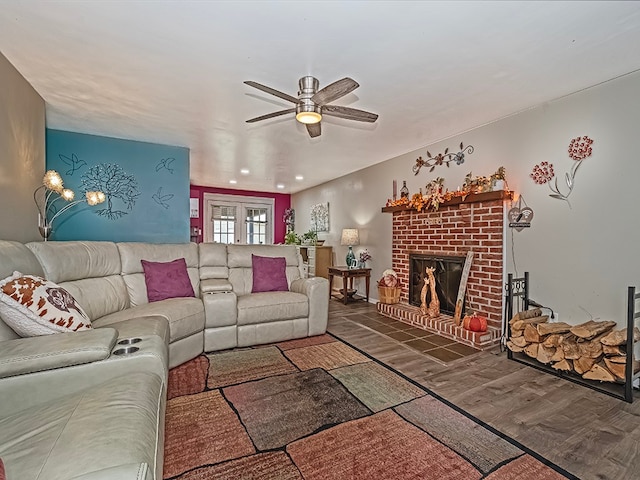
column 319, row 409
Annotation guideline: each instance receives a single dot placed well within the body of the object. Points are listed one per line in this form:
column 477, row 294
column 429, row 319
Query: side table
column 348, row 274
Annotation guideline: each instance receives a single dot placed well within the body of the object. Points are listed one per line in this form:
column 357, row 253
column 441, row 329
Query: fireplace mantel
column 471, row 198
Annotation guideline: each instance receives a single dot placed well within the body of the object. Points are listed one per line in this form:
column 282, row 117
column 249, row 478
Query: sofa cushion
column 114, row 423
column 212, row 261
column 167, row 280
column 269, row 274
column 132, row 254
column 90, row 271
column 240, row 263
column 271, row 306
column 185, row 316
column 33, row 306
column 75, row 260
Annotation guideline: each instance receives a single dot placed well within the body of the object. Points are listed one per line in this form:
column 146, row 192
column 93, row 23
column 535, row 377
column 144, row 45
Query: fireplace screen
column 448, row 273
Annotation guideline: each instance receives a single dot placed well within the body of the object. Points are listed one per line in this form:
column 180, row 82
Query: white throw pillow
column 32, row 306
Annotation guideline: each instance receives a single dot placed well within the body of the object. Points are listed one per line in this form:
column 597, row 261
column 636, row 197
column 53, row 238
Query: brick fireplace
column 475, row 223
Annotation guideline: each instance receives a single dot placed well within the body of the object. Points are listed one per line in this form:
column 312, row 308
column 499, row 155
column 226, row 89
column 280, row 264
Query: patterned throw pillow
column 33, row 306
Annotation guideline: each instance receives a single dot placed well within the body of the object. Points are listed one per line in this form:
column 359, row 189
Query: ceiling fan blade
column 271, row 115
column 314, row 129
column 349, row 113
column 270, row 90
column 334, row 91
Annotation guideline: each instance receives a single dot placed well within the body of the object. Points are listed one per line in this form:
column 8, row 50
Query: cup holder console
column 129, row 341
column 125, row 350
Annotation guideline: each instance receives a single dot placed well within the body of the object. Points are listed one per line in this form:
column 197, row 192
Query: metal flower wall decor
column 442, row 159
column 579, row 149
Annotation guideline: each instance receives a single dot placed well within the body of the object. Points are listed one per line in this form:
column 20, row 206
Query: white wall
column 580, row 259
column 22, row 152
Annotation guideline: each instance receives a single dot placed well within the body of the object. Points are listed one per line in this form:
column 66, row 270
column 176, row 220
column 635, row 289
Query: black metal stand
column 518, row 288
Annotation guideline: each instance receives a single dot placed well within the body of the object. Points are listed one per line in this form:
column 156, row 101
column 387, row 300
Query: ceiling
column 172, row 72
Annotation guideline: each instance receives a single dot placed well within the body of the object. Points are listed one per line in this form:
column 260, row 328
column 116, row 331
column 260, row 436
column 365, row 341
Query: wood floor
column 590, row 434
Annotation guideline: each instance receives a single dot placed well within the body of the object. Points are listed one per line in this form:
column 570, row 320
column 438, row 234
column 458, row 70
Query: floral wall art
column 320, row 217
column 579, row 149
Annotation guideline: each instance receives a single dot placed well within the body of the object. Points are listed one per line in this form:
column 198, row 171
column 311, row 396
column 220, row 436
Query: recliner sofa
column 90, row 405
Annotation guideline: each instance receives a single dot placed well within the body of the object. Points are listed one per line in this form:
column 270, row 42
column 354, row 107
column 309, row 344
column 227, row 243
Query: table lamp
column 350, row 238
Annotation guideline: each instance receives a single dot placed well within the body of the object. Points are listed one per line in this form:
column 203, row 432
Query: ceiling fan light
column 308, row 117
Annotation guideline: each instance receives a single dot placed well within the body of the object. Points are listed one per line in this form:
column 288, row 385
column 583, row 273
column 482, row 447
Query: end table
column 348, row 274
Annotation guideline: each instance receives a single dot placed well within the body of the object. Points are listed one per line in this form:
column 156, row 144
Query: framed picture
column 320, row 217
column 194, row 208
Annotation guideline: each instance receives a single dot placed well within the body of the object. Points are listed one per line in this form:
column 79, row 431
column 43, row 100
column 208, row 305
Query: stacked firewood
column 593, row 349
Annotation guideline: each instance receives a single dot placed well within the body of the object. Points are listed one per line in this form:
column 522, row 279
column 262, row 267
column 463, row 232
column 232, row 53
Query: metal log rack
column 517, row 290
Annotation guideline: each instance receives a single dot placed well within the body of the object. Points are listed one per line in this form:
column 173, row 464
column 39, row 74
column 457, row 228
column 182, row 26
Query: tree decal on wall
column 116, row 185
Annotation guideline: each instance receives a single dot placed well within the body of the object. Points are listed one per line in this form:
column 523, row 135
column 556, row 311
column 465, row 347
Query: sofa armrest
column 48, row 352
column 130, row 471
column 215, row 285
column 317, row 289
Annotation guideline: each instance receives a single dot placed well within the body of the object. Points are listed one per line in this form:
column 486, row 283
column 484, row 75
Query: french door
column 238, row 219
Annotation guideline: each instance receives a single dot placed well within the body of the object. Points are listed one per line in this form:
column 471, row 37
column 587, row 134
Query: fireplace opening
column 448, row 273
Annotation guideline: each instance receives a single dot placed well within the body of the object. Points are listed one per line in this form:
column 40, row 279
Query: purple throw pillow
column 269, row 274
column 167, row 280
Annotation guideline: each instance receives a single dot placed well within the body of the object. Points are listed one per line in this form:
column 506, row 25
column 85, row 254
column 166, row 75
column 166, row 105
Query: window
column 224, row 223
column 256, row 226
column 238, row 219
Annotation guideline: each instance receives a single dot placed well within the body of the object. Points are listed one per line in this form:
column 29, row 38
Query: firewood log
column 613, row 350
column 547, row 328
column 590, row 329
column 545, row 354
column 618, row 359
column 591, row 348
column 514, row 348
column 555, row 339
column 520, row 324
column 532, row 350
column 619, row 337
column 564, row 365
column 516, row 333
column 617, row 366
column 599, row 372
column 535, row 312
column 570, row 348
column 583, row 364
column 531, row 334
column 558, row 356
column 519, row 342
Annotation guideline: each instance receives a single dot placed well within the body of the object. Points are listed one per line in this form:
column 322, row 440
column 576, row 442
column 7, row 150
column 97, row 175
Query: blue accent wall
column 147, row 188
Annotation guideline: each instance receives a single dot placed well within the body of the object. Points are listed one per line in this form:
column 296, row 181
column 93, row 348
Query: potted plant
column 310, row 237
column 292, row 238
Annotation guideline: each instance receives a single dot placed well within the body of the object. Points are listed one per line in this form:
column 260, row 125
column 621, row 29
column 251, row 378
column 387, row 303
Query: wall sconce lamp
column 350, row 237
column 51, row 191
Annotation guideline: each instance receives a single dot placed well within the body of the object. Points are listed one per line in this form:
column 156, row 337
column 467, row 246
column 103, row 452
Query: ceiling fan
column 312, row 103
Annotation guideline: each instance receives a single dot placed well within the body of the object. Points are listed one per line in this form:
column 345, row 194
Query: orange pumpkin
column 474, row 323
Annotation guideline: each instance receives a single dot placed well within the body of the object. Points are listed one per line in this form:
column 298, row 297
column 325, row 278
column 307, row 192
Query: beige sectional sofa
column 90, row 405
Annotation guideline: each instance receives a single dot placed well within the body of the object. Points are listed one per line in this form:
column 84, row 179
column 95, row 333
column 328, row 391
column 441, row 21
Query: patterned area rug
column 319, row 409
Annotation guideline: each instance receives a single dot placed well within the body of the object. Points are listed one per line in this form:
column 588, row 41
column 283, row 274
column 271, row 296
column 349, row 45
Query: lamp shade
column 350, row 237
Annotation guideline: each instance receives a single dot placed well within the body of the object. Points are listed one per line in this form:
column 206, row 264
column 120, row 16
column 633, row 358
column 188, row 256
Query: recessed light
column 299, row 177
column 233, row 182
column 280, row 186
column 244, row 171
